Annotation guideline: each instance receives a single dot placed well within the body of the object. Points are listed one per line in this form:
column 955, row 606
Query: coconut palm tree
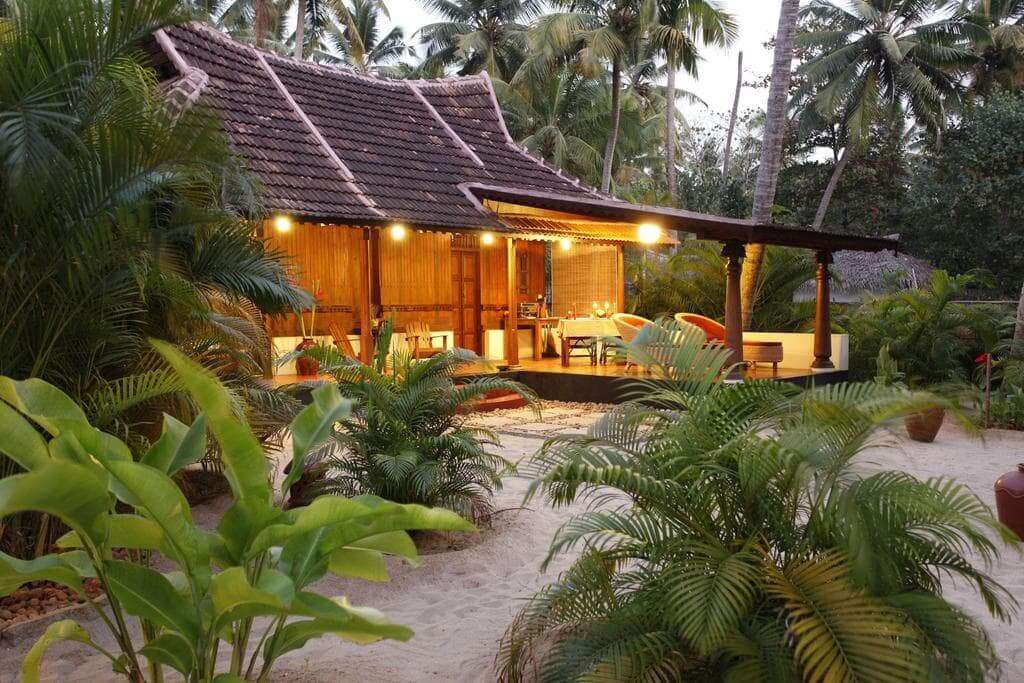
column 771, row 147
column 556, row 119
column 681, row 28
column 871, row 61
column 998, row 45
column 732, row 535
column 356, row 40
column 597, row 37
column 478, row 35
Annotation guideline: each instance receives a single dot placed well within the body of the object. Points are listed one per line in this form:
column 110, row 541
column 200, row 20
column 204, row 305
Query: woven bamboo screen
column 582, row 275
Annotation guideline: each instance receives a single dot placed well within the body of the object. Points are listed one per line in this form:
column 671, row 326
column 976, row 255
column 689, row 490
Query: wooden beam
column 733, row 252
column 512, row 319
column 823, row 315
column 366, row 297
column 620, row 277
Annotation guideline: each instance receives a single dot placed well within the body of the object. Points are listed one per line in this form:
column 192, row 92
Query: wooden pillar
column 267, row 363
column 822, row 316
column 512, row 319
column 733, row 252
column 366, row 297
column 620, row 276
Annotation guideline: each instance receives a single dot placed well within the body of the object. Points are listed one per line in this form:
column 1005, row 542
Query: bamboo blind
column 582, row 275
column 416, row 278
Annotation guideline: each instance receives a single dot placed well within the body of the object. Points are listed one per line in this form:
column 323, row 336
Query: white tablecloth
column 587, row 327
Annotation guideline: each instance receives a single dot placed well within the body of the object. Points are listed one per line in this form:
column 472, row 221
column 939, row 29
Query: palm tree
column 357, row 42
column 872, row 60
column 556, row 119
column 597, row 36
column 680, row 25
column 998, row 42
column 733, row 535
column 478, row 35
column 771, row 147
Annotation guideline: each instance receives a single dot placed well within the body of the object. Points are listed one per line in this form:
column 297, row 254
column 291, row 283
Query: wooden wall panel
column 493, row 288
column 330, row 254
column 416, row 279
column 582, row 275
column 529, row 270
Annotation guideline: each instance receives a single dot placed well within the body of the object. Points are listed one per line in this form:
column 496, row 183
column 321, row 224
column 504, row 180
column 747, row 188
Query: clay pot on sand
column 1010, row 500
column 923, row 426
column 304, row 365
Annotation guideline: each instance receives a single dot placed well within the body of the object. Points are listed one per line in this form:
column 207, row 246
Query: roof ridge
column 463, row 145
column 346, row 174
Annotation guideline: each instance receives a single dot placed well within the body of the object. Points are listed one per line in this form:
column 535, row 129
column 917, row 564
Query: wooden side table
column 755, row 352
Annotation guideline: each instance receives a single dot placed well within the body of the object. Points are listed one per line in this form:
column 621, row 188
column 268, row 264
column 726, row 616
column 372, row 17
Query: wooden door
column 466, row 298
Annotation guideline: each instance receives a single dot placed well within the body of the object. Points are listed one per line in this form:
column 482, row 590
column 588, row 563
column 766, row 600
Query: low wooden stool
column 755, row 352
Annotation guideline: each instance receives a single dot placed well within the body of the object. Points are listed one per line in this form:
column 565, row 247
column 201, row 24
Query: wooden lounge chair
column 341, row 341
column 421, row 341
column 754, row 352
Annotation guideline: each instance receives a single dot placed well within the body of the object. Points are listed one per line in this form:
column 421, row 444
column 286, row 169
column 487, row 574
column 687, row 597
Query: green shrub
column 258, row 562
column 407, row 439
column 738, row 539
column 1007, row 409
column 931, row 338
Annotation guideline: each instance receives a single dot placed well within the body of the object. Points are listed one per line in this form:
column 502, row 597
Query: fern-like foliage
column 407, row 439
column 733, row 536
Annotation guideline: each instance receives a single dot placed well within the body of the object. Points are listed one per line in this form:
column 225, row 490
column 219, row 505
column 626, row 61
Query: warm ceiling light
column 282, row 223
column 487, row 238
column 565, row 244
column 648, row 233
column 398, row 232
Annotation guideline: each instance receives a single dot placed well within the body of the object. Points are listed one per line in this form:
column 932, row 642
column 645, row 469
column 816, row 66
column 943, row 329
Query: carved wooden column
column 512, row 319
column 733, row 252
column 822, row 316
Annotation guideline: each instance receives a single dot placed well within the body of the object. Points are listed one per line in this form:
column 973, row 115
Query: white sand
column 460, row 602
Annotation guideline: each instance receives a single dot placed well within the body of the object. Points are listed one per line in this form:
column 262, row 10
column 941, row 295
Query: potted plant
column 923, row 426
column 306, row 365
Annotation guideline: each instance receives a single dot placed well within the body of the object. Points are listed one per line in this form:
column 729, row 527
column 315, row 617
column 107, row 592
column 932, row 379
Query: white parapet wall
column 798, row 348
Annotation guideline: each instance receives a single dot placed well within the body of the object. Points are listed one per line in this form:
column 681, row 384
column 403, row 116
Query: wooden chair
column 421, row 340
column 341, row 341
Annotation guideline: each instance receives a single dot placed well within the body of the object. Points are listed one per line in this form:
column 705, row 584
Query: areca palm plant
column 125, row 218
column 407, row 439
column 872, row 60
column 478, row 35
column 681, row 25
column 596, row 37
column 733, row 535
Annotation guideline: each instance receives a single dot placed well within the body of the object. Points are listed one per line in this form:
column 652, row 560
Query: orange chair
column 629, row 327
column 754, row 352
column 713, row 330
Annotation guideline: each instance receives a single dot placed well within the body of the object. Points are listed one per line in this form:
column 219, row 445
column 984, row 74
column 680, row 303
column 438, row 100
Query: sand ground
column 460, row 601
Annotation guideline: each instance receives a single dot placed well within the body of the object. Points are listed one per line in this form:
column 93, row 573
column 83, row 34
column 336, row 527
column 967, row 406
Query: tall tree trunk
column 261, row 17
column 1018, row 328
column 300, row 28
column 670, row 131
column 613, row 129
column 771, row 148
column 830, row 189
column 727, row 156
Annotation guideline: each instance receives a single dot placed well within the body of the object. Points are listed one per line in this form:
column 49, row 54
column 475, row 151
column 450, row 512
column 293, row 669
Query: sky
column 716, row 80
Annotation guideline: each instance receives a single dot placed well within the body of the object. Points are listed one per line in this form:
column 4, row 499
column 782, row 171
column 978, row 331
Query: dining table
column 577, row 333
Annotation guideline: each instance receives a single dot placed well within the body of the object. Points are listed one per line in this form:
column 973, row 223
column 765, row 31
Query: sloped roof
column 330, row 144
column 858, row 275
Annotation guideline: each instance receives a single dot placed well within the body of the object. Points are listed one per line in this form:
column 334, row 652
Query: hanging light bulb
column 565, row 244
column 648, row 233
column 487, row 239
column 282, row 223
column 398, row 232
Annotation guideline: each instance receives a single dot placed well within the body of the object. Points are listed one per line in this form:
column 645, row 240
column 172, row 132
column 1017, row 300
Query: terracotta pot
column 304, row 365
column 925, row 425
column 1010, row 500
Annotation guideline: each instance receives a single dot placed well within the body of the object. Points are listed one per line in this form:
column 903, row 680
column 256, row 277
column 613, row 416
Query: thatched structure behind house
column 859, row 274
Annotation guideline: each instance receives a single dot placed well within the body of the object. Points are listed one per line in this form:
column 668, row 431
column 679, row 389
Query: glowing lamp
column 398, row 232
column 648, row 233
column 565, row 244
column 282, row 223
column 487, row 238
